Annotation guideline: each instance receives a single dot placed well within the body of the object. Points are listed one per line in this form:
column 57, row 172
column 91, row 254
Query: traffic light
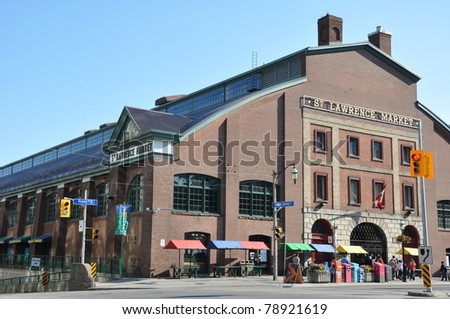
column 94, row 233
column 65, row 208
column 279, row 232
column 421, row 164
column 417, row 163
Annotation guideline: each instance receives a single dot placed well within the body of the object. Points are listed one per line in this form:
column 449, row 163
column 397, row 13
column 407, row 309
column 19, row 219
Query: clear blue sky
column 70, row 66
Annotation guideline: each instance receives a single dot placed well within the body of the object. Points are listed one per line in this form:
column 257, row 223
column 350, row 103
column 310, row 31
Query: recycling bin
column 347, row 273
column 379, row 272
column 336, row 272
column 388, row 272
column 355, row 272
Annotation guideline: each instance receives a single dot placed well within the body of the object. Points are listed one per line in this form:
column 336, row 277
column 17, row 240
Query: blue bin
column 355, row 273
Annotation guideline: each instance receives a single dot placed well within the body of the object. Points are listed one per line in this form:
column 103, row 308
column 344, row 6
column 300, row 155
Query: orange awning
column 254, row 245
column 185, row 244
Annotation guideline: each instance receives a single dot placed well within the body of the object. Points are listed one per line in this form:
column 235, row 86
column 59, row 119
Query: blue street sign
column 282, row 204
column 83, row 201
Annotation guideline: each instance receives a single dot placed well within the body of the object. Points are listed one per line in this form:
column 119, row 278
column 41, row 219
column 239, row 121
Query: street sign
column 80, row 225
column 425, row 255
column 35, row 263
column 85, row 201
column 282, row 204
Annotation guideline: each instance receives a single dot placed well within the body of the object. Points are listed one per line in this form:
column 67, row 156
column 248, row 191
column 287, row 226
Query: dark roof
column 148, row 120
column 70, row 165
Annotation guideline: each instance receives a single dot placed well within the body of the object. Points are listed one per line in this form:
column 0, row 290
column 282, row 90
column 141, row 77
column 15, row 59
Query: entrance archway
column 321, row 233
column 370, row 237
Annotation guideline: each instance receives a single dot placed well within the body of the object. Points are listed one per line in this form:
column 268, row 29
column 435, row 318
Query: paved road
column 244, row 287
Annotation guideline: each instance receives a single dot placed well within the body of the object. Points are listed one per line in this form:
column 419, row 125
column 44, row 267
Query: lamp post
column 402, row 227
column 294, row 174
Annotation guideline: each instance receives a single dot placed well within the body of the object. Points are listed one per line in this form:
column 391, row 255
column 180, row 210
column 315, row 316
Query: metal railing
column 58, row 263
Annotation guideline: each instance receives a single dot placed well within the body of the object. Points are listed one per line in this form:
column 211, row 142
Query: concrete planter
column 369, row 277
column 318, row 276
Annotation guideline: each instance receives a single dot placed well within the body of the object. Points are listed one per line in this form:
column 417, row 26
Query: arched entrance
column 321, row 233
column 372, row 238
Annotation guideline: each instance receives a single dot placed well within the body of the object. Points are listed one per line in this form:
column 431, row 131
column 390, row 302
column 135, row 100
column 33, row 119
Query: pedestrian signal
column 94, row 233
column 65, row 208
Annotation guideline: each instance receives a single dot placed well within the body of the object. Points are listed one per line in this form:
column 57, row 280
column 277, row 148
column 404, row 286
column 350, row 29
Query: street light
column 402, row 227
column 294, row 174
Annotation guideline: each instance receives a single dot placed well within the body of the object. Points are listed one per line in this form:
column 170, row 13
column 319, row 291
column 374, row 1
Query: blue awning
column 225, row 244
column 323, row 248
column 5, row 240
column 46, row 238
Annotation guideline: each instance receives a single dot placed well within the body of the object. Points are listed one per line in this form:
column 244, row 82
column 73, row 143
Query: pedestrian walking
column 443, row 271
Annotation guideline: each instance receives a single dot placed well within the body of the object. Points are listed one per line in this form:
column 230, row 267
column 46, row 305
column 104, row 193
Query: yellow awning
column 351, row 249
column 409, row 251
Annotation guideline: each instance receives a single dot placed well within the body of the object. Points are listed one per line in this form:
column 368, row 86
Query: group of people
column 399, row 269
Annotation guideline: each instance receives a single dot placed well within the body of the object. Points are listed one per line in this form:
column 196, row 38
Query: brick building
column 201, row 166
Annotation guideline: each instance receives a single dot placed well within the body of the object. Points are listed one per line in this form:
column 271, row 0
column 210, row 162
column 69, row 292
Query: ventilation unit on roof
column 106, row 125
column 90, row 132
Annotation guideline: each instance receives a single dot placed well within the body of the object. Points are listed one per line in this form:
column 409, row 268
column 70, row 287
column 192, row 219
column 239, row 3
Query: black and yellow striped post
column 45, row 279
column 94, row 270
column 426, row 276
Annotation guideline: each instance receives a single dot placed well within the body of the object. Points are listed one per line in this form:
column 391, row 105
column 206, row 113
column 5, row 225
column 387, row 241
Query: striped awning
column 351, row 249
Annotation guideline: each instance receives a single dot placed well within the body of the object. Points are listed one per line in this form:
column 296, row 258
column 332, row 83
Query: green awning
column 21, row 239
column 5, row 240
column 296, row 247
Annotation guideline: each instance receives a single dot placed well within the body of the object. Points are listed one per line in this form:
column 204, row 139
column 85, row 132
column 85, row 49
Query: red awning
column 254, row 245
column 185, row 244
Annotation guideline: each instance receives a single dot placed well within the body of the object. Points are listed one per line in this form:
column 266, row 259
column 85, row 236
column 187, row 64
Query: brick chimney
column 329, row 30
column 381, row 39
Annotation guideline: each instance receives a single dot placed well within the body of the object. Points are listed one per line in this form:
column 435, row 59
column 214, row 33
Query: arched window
column 196, row 193
column 12, row 213
column 100, row 195
column 75, row 210
column 50, row 211
column 443, row 212
column 135, row 194
column 31, row 210
column 255, row 198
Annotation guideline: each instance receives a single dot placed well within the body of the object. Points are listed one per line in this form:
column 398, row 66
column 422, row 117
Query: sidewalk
column 161, row 283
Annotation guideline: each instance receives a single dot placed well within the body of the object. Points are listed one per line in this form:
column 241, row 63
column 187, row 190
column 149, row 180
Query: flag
column 122, row 211
column 379, row 199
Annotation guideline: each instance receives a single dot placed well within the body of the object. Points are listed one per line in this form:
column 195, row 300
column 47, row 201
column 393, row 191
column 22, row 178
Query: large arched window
column 196, row 193
column 12, row 213
column 255, row 198
column 443, row 212
column 31, row 210
column 50, row 212
column 75, row 210
column 100, row 195
column 135, row 194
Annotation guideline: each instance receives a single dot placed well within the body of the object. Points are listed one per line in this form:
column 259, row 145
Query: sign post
column 85, row 202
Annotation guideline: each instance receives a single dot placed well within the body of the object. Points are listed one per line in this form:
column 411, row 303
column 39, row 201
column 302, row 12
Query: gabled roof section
column 364, row 46
column 148, row 121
